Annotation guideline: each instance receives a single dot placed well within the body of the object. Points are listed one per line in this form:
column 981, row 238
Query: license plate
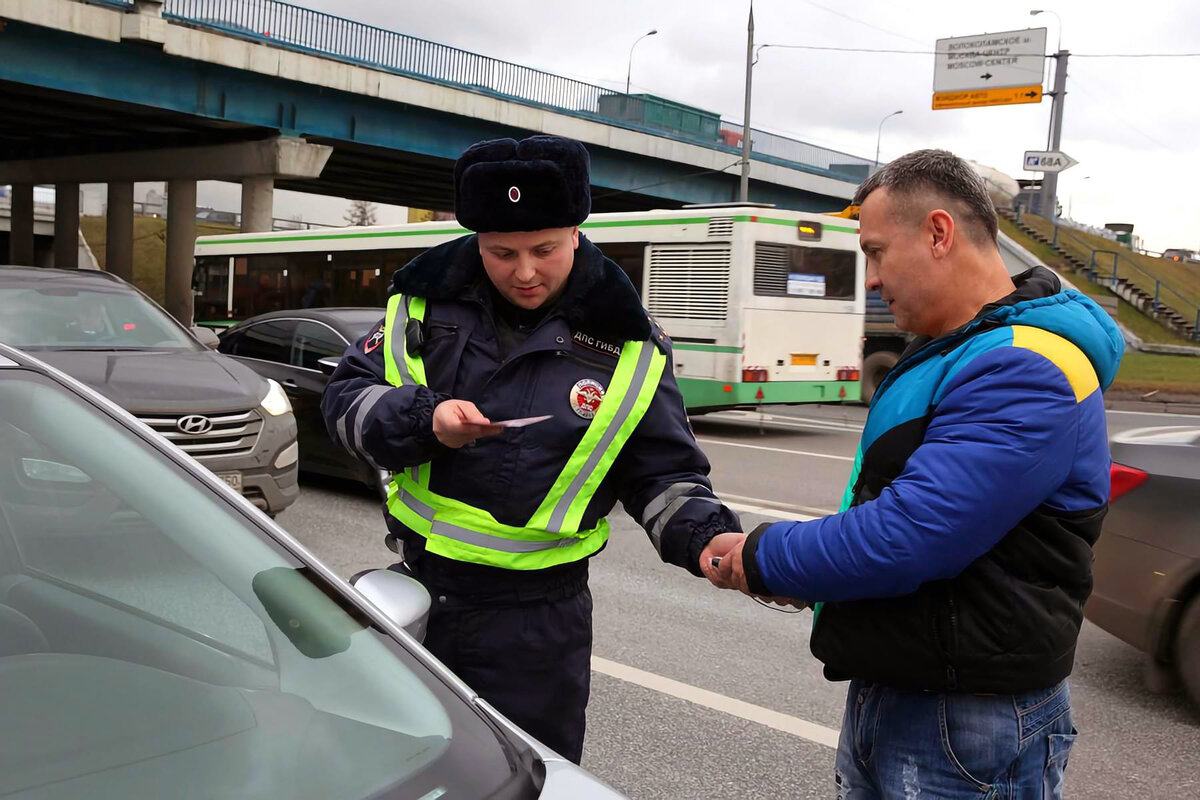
column 234, row 479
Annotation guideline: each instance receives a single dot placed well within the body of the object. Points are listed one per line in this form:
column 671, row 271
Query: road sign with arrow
column 965, row 66
column 987, row 97
column 1048, row 161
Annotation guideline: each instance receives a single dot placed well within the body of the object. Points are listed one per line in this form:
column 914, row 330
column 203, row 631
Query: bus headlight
column 276, row 400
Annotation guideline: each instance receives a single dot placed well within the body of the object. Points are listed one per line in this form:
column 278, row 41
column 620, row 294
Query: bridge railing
column 286, row 25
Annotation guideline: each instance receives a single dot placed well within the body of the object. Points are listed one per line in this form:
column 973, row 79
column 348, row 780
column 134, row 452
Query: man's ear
column 942, row 232
column 575, row 238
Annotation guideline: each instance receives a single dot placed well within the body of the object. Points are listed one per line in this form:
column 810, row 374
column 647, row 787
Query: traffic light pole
column 1050, row 179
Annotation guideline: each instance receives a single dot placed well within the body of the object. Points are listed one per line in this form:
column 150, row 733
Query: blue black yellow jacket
column 962, row 556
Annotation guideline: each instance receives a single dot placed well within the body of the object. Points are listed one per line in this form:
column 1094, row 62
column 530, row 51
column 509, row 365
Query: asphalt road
column 699, row 693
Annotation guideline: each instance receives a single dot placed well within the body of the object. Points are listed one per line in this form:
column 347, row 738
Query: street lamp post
column 744, row 182
column 879, row 136
column 1037, row 11
column 1054, row 135
column 629, row 69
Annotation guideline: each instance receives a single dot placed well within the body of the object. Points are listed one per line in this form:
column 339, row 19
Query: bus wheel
column 875, row 368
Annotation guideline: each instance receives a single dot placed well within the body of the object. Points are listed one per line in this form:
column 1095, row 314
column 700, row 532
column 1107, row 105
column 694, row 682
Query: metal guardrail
column 1166, row 298
column 315, row 32
column 122, row 4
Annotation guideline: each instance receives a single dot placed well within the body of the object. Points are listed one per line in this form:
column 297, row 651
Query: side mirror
column 38, row 469
column 403, row 599
column 328, row 365
column 206, row 336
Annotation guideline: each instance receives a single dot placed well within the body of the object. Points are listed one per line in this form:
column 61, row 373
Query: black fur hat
column 537, row 183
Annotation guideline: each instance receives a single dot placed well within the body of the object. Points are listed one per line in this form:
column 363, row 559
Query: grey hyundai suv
column 102, row 331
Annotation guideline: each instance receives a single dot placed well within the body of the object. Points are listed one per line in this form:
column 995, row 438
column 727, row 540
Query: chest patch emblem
column 585, row 398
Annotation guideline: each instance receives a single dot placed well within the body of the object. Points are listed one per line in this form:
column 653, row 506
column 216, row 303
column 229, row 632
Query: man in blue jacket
column 950, row 588
column 526, row 319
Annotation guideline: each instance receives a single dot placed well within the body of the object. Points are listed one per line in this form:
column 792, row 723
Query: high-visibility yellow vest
column 552, row 536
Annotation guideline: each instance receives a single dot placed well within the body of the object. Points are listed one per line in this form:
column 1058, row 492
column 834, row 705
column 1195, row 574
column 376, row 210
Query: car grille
column 232, row 433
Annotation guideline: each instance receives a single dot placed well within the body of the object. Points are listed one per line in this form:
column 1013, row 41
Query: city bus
column 763, row 306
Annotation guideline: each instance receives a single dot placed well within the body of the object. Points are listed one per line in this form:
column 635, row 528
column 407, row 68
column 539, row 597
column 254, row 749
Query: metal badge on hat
column 514, row 194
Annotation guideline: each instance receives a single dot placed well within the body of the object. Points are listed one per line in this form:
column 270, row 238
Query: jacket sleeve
column 389, row 427
column 1001, row 441
column 663, row 481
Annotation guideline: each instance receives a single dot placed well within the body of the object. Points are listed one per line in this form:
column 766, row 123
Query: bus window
column 210, row 285
column 789, row 270
column 630, row 257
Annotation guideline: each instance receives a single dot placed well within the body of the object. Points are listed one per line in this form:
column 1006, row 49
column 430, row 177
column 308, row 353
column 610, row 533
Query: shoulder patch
column 374, row 339
column 598, row 345
column 1063, row 354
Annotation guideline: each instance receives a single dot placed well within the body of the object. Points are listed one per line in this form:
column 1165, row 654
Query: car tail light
column 849, row 374
column 1125, row 479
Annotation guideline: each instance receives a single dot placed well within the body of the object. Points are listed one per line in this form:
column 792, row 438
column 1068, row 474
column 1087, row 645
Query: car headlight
column 276, row 400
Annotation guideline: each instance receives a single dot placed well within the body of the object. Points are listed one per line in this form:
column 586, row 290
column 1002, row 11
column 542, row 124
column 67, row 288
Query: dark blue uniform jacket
column 474, row 349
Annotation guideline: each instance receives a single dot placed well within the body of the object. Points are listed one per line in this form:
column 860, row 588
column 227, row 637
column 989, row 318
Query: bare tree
column 362, row 212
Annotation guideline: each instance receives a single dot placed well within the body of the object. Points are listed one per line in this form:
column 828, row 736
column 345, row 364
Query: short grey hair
column 945, row 176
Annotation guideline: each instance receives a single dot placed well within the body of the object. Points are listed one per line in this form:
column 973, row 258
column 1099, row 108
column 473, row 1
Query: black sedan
column 1147, row 569
column 287, row 346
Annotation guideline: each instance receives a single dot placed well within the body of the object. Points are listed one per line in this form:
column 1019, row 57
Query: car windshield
column 152, row 636
column 83, row 318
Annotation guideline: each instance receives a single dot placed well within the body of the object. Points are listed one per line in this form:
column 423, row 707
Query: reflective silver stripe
column 414, row 473
column 343, row 424
column 366, row 402
column 656, row 506
column 478, row 539
column 422, row 509
column 665, row 518
column 398, row 340
column 626, row 408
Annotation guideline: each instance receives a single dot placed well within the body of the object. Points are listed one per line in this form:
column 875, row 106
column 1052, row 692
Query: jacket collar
column 599, row 298
column 1031, row 284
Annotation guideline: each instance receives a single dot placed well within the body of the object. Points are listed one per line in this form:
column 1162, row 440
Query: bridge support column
column 181, row 244
column 258, row 203
column 118, row 243
column 20, row 236
column 66, row 226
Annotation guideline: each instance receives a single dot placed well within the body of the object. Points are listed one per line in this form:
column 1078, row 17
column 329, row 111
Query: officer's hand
column 458, row 422
column 720, row 546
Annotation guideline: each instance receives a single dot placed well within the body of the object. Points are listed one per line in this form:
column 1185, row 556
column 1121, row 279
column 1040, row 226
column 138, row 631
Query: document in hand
column 521, row 423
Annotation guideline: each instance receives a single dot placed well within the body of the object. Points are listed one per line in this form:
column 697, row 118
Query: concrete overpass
column 273, row 95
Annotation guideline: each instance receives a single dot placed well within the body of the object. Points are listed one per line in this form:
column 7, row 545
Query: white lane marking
column 764, row 511
column 792, row 422
column 778, row 506
column 1151, row 414
column 706, row 440
column 718, row 702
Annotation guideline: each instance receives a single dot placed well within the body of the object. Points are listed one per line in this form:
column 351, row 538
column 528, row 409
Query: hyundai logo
column 194, row 424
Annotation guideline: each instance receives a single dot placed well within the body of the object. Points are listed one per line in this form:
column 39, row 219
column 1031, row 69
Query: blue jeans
column 909, row 745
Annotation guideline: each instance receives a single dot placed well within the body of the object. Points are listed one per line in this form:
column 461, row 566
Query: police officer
column 526, row 318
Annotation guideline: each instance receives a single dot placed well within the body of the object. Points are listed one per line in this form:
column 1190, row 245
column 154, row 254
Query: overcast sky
column 1133, row 124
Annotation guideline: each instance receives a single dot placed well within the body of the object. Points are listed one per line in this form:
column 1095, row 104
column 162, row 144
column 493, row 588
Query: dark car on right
column 1147, row 568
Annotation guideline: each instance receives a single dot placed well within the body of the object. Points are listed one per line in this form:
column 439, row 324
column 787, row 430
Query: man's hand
column 458, row 422
column 719, row 546
column 730, row 573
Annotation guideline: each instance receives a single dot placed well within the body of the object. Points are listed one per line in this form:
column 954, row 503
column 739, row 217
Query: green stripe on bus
column 326, row 236
column 706, row 393
column 632, row 223
column 637, row 223
column 706, row 348
column 792, row 223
